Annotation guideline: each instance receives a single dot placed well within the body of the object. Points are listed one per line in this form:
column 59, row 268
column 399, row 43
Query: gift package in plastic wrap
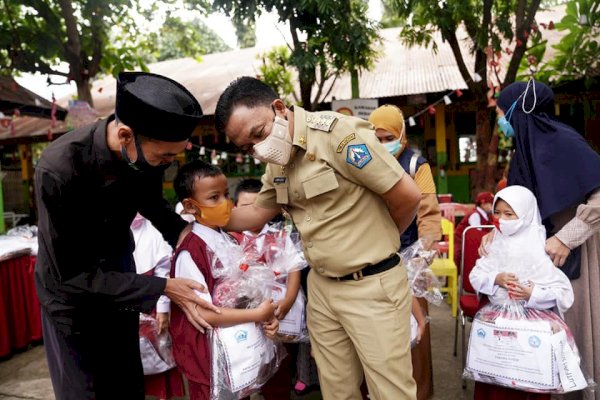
column 255, row 270
column 155, row 348
column 417, row 258
column 524, row 348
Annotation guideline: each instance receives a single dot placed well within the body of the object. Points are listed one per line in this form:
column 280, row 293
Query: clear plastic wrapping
column 237, row 374
column 292, row 328
column 423, row 282
column 524, row 348
column 243, row 358
column 278, row 247
column 155, row 349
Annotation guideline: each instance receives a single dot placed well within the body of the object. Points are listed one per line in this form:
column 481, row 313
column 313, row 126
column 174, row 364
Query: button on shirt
column 333, row 197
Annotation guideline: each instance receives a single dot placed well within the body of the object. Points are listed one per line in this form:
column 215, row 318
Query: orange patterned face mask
column 215, row 216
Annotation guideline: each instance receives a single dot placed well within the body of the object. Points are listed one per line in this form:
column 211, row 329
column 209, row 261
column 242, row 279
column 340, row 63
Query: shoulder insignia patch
column 344, row 142
column 321, row 122
column 279, row 179
column 358, row 155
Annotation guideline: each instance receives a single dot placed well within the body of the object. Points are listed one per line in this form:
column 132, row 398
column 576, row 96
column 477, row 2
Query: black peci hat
column 156, row 106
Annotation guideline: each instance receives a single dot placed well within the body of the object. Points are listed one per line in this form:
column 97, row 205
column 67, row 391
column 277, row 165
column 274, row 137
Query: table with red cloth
column 20, row 320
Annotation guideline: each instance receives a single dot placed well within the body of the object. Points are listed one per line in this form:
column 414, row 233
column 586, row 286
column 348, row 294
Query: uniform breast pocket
column 324, row 194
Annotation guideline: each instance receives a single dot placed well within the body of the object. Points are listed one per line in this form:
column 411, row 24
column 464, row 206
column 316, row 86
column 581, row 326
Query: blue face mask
column 393, row 147
column 504, row 124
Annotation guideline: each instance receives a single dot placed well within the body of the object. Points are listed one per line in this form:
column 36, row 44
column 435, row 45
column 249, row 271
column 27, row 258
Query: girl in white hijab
column 517, row 266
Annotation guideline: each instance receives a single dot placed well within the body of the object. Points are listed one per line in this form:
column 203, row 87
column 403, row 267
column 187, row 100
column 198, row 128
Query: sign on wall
column 361, row 108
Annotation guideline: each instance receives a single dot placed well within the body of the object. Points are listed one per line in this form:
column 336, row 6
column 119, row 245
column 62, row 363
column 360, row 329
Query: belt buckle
column 358, row 275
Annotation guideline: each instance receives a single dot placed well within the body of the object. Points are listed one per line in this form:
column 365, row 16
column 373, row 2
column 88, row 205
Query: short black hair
column 247, row 186
column 187, row 175
column 244, row 91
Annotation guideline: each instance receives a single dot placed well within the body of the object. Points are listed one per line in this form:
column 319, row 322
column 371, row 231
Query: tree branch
column 73, row 47
column 97, row 47
column 523, row 32
column 462, row 67
column 331, row 86
column 480, row 55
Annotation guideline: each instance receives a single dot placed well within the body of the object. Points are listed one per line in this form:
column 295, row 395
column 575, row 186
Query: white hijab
column 523, row 252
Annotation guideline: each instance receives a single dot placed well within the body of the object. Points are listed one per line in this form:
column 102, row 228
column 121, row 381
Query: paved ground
column 25, row 374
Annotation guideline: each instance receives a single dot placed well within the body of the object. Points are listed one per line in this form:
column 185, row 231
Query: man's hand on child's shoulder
column 485, row 242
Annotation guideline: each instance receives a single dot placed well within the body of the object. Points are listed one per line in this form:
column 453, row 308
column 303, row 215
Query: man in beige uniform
column 349, row 199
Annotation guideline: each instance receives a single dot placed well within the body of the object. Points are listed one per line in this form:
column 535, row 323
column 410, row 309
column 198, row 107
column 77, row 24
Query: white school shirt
column 475, row 218
column 152, row 251
column 185, row 267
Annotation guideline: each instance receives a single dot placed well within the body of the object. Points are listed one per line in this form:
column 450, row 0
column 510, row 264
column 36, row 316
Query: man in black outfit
column 90, row 183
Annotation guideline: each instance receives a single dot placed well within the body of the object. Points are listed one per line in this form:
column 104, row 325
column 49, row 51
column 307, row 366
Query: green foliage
column 578, row 53
column 35, row 35
column 389, row 17
column 329, row 38
column 178, row 39
column 91, row 36
column 275, row 71
column 245, row 31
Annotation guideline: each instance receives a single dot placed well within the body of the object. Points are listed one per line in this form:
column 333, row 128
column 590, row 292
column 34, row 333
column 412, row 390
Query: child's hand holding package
column 266, row 310
column 520, row 291
column 271, row 328
column 504, row 279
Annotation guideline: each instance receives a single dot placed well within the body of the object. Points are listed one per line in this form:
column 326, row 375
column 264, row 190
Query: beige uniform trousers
column 358, row 326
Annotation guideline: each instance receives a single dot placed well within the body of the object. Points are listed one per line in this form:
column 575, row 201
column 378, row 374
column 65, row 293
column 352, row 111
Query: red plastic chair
column 449, row 210
column 444, row 198
column 468, row 303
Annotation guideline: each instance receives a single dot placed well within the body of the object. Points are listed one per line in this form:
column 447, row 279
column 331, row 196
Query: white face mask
column 277, row 147
column 509, row 227
column 394, row 147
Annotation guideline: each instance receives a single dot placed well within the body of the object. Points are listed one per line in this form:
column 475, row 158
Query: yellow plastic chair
column 445, row 267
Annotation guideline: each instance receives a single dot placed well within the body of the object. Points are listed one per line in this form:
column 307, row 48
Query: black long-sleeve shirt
column 87, row 198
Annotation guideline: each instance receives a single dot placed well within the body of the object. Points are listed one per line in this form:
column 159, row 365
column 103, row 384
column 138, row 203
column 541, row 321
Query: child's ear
column 188, row 207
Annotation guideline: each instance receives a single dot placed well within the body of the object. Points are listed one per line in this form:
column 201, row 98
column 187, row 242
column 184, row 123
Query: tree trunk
column 84, row 91
column 491, row 166
column 355, row 83
column 483, row 136
column 307, row 80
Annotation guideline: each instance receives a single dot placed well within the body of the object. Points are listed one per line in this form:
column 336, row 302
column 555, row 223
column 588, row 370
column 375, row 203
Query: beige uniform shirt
column 332, row 189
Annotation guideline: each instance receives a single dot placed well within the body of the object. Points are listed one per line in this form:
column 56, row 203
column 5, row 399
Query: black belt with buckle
column 371, row 269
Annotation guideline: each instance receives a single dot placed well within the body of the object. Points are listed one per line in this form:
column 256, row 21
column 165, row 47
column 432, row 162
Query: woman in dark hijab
column 557, row 164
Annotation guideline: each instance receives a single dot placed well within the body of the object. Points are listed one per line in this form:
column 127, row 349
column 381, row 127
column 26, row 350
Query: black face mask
column 140, row 164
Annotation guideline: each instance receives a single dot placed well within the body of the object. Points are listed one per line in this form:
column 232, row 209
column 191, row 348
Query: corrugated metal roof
column 403, row 70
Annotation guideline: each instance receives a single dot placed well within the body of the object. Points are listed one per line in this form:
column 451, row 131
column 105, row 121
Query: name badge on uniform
column 278, row 180
column 344, row 142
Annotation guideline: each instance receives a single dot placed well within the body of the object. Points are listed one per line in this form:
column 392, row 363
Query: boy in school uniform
column 204, row 193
